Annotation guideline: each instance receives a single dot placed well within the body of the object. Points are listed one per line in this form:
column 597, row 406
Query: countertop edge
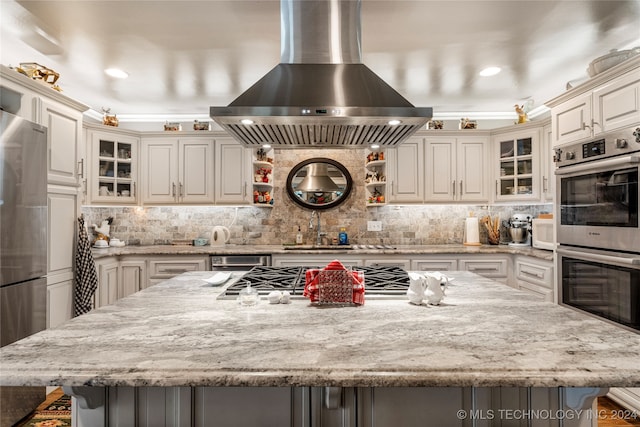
column 456, row 249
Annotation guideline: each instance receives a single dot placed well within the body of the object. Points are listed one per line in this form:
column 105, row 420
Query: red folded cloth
column 328, row 285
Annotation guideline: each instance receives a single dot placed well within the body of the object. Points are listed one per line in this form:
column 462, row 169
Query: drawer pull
column 484, row 269
column 532, row 273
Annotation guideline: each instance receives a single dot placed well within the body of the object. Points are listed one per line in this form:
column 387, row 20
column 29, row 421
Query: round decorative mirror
column 319, row 183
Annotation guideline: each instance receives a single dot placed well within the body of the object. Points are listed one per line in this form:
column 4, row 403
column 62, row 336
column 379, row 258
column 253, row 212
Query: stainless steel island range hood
column 320, row 95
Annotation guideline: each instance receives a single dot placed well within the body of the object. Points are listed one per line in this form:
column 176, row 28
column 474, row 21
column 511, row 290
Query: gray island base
column 175, row 355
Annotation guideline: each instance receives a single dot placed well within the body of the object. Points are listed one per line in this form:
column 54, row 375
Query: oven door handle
column 601, row 164
column 626, row 259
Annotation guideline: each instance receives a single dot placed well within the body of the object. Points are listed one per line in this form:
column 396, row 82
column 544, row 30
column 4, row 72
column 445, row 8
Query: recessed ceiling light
column 394, row 122
column 117, row 73
column 246, row 121
column 374, row 146
column 266, row 146
column 490, row 71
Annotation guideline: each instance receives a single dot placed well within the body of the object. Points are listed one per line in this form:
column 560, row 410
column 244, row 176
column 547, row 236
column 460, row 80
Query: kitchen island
column 174, row 349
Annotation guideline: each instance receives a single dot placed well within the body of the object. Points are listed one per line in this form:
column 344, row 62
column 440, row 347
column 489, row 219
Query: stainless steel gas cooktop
column 378, row 280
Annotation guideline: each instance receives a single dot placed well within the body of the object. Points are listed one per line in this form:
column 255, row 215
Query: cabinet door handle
column 461, row 188
column 497, row 184
column 181, row 190
column 544, row 184
column 453, row 185
column 393, row 190
column 173, row 192
column 133, row 189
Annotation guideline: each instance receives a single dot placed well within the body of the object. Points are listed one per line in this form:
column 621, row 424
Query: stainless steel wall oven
column 598, row 227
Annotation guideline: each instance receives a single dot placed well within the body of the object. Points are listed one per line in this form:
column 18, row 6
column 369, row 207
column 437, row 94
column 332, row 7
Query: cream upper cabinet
column 61, row 115
column 441, row 169
column 405, row 167
column 113, row 167
column 516, row 160
column 448, row 167
column 571, row 121
column 64, row 134
column 176, row 171
column 607, row 102
column 233, row 172
column 456, row 169
column 617, row 104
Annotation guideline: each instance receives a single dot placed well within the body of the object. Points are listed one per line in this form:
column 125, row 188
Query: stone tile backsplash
column 402, row 225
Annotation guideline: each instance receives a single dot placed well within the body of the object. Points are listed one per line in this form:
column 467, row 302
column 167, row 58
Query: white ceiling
column 184, row 56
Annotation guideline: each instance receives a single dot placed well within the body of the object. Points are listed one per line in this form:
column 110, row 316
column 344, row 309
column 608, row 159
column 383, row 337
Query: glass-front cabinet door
column 114, row 163
column 517, row 165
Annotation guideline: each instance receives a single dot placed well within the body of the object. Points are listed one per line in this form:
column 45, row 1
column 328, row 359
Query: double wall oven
column 597, row 226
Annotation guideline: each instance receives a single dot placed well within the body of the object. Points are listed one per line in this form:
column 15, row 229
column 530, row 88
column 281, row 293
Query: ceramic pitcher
column 417, row 287
column 435, row 288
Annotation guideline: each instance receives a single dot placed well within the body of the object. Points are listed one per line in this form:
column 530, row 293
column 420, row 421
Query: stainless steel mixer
column 519, row 226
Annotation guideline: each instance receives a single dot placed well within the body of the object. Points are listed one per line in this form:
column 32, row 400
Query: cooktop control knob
column 621, row 143
column 570, row 155
column 636, row 133
column 557, row 155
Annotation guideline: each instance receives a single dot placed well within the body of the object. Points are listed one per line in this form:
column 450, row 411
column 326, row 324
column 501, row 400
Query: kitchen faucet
column 319, row 233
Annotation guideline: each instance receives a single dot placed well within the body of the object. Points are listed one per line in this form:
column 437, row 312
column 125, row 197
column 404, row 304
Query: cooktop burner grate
column 381, row 280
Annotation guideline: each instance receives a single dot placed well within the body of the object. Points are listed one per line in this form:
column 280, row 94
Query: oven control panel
column 593, row 148
column 617, row 143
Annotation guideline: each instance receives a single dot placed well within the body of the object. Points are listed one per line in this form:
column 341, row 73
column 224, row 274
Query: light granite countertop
column 177, row 333
column 280, row 249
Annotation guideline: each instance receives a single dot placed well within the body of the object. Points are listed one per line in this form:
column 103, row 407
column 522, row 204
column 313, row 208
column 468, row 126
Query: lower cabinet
column 120, row 276
column 108, row 282
column 161, row 268
column 435, row 263
column 333, row 406
column 534, row 276
column 59, row 300
column 133, row 276
column 495, row 267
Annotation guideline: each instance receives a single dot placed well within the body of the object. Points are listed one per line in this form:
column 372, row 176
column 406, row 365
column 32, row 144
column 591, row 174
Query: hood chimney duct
column 320, row 94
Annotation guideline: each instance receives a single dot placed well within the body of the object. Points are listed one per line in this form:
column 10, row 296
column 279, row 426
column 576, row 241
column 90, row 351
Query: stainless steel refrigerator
column 23, row 248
